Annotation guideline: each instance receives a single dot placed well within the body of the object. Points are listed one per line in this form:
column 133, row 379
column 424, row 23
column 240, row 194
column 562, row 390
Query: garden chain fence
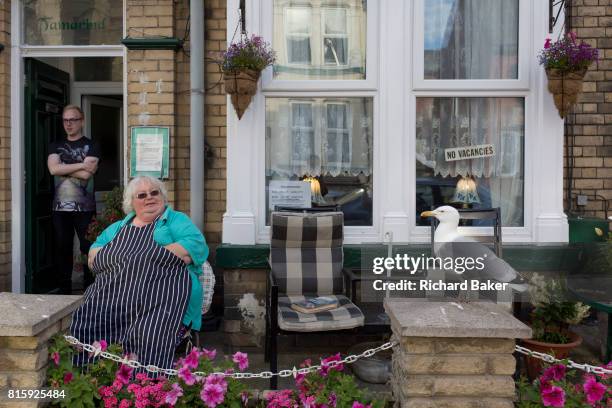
column 305, row 370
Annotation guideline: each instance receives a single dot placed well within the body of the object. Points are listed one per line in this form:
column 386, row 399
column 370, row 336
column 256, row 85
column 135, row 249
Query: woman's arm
column 178, row 250
column 187, row 237
column 92, row 255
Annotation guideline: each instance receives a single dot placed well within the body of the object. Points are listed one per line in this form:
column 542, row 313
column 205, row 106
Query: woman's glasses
column 72, row 121
column 143, row 195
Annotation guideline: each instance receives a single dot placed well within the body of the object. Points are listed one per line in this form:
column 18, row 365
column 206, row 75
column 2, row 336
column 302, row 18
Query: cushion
column 345, row 316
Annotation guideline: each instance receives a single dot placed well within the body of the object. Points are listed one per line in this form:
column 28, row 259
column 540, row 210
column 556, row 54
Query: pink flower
column 554, row 373
column 173, row 395
column 124, row 373
column 242, row 360
column 55, row 357
column 308, row 402
column 553, row 397
column 325, row 367
column 209, row 354
column 110, row 402
column 357, row 404
column 193, row 359
column 212, row 395
column 547, row 43
column 332, row 400
column 68, row 377
column 281, row 399
column 98, row 346
column 218, row 380
column 125, row 404
column 186, row 375
column 594, row 390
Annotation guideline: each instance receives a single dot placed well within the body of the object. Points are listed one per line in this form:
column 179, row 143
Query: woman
column 146, row 283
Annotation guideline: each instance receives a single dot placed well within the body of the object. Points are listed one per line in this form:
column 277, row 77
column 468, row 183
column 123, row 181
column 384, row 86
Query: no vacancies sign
column 469, row 152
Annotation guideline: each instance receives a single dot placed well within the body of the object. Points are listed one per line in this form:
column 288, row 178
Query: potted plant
column 566, row 62
column 112, row 212
column 242, row 64
column 552, row 314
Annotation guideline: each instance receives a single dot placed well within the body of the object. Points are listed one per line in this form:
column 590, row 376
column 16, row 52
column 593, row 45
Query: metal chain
column 241, row 375
column 305, row 370
column 551, row 359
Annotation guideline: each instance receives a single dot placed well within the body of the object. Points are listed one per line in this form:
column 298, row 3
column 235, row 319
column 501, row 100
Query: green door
column 46, row 93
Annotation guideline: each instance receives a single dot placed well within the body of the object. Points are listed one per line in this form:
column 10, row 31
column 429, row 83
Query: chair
column 306, row 258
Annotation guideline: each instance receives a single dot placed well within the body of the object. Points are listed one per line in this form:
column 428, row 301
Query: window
column 299, row 21
column 335, row 37
column 329, row 139
column 320, row 40
column 85, row 22
column 496, row 180
column 471, row 39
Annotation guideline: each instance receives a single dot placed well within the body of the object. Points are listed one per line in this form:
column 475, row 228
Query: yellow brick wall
column 5, row 147
column 589, row 125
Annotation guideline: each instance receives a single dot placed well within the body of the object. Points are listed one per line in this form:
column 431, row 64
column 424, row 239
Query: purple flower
column 212, row 395
column 553, row 396
column 174, row 394
column 193, row 359
column 55, row 357
column 547, row 43
column 185, row 374
column 357, row 404
column 217, row 380
column 553, row 373
column 331, row 401
column 68, row 377
column 242, row 360
column 124, row 374
column 326, row 367
column 594, row 390
column 209, row 354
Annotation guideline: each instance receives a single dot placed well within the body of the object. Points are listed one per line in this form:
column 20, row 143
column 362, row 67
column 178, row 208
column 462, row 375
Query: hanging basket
column 565, row 88
column 241, row 85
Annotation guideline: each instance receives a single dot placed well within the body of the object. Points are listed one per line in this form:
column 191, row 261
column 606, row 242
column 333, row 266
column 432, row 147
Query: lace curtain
column 318, row 137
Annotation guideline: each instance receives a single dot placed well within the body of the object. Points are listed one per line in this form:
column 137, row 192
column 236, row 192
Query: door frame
column 18, row 53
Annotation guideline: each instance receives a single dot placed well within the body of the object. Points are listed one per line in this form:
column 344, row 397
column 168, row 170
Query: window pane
column 481, row 182
column 329, row 139
column 471, row 39
column 316, row 40
column 78, row 22
column 98, row 69
column 298, row 50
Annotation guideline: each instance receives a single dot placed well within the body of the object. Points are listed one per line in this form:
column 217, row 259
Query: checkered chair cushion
column 345, row 316
column 306, row 254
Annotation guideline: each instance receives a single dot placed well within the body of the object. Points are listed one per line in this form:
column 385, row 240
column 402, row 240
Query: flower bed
column 114, row 385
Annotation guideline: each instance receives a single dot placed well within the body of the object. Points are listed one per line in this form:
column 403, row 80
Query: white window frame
column 20, row 51
column 521, row 83
column 390, row 82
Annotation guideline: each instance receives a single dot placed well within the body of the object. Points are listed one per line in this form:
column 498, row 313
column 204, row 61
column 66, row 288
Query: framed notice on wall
column 150, row 151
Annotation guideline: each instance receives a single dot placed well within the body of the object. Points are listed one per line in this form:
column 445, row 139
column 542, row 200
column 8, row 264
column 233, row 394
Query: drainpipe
column 196, row 76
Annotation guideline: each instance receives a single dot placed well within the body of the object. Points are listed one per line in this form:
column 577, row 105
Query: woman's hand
column 91, row 256
column 178, row 250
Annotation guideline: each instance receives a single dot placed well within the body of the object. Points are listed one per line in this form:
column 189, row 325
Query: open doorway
column 94, row 84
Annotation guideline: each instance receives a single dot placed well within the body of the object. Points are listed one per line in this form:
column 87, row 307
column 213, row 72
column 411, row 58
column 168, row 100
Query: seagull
column 450, row 243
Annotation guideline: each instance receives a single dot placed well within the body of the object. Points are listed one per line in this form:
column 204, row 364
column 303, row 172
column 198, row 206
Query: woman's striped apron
column 138, row 299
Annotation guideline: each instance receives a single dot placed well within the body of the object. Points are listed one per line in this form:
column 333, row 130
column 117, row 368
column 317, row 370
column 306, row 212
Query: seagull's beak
column 428, row 214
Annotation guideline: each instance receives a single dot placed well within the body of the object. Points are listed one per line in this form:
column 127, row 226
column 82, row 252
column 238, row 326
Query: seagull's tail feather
column 518, row 284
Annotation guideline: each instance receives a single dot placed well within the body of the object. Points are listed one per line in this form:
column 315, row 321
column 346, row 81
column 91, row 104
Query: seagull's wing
column 494, row 267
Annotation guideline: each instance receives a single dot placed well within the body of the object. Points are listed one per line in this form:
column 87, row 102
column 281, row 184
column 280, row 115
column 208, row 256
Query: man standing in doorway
column 72, row 161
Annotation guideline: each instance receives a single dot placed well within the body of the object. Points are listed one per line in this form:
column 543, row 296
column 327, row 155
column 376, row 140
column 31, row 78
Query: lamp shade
column 315, row 191
column 466, row 192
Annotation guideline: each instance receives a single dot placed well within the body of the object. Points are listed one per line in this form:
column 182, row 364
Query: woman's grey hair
column 130, row 190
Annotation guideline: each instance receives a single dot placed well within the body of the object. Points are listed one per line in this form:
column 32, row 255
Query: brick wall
column 591, row 120
column 5, row 147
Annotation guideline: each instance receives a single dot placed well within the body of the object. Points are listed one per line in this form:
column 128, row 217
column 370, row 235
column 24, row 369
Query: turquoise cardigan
column 174, row 227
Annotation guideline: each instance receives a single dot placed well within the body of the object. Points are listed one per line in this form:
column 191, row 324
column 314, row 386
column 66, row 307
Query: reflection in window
column 497, row 181
column 78, row 22
column 98, row 69
column 298, row 35
column 329, row 139
column 471, row 39
column 317, row 40
column 335, row 37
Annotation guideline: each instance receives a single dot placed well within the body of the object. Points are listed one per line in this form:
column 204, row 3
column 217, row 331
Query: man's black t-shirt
column 71, row 193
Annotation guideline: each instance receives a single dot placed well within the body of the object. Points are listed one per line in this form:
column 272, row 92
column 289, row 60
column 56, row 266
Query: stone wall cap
column 453, row 319
column 27, row 315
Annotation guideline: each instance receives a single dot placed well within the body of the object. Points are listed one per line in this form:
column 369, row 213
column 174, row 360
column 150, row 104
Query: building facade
column 376, row 100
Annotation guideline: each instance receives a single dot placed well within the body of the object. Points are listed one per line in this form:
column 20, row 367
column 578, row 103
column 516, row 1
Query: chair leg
column 274, row 360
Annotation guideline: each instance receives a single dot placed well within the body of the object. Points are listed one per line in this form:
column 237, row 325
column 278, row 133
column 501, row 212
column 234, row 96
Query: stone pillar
column 5, row 146
column 453, row 355
column 27, row 322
